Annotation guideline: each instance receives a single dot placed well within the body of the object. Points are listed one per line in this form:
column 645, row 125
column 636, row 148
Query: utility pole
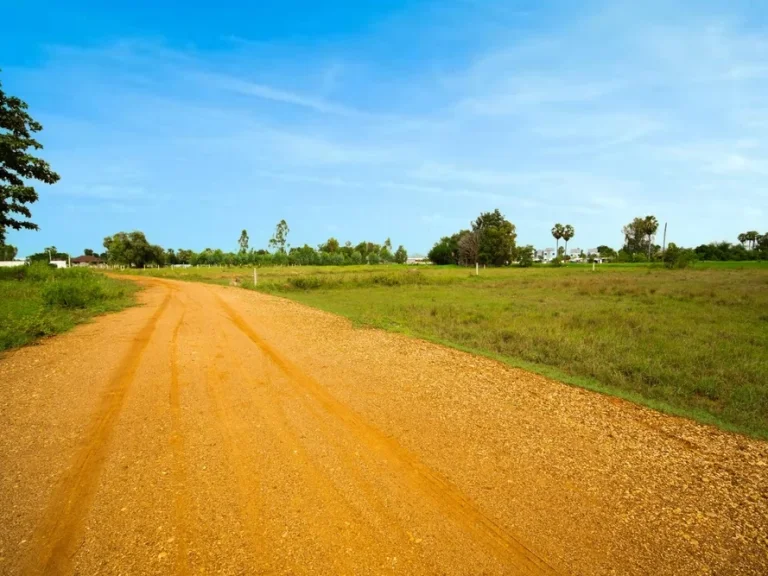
column 664, row 242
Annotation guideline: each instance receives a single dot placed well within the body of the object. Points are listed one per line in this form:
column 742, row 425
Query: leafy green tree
column 743, row 238
column 388, row 244
column 278, row 241
column 557, row 234
column 606, row 251
column 568, row 233
column 7, row 252
column 170, row 257
column 331, row 246
column 386, row 255
column 243, row 241
column 88, row 252
column 525, row 256
column 444, row 252
column 357, row 257
column 373, row 258
column 638, row 235
column 401, row 256
column 675, row 257
column 17, row 165
column 496, row 238
column 132, row 249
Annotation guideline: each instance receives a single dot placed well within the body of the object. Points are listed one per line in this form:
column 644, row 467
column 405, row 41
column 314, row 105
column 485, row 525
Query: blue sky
column 367, row 120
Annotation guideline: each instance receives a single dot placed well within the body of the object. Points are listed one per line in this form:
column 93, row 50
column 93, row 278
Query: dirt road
column 217, row 430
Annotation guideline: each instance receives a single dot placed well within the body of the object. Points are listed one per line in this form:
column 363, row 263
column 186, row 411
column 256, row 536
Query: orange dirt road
column 216, row 430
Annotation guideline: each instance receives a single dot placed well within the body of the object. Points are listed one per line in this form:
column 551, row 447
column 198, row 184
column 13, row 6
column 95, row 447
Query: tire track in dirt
column 452, row 502
column 181, row 498
column 57, row 534
column 247, row 482
column 273, row 415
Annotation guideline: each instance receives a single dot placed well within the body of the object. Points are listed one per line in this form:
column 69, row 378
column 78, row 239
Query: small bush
column 305, row 282
column 73, row 293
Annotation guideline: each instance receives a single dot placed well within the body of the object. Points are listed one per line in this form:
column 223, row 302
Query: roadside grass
column 38, row 300
column 688, row 342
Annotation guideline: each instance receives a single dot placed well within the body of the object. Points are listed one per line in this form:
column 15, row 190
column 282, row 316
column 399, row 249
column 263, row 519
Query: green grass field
column 38, row 300
column 691, row 342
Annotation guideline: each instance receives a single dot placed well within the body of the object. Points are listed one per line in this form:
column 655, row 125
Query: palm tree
column 742, row 238
column 568, row 233
column 650, row 225
column 752, row 236
column 557, row 233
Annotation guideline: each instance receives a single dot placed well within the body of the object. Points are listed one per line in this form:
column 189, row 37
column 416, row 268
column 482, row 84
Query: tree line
column 133, row 249
column 491, row 241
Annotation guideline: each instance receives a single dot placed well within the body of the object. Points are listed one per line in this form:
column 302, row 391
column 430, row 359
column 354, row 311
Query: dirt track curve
column 217, row 430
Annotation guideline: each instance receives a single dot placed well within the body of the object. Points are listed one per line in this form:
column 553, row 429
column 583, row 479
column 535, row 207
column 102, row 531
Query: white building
column 546, row 255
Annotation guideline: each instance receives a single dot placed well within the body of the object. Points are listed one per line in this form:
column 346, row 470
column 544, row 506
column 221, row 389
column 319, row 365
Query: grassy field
column 38, row 300
column 691, row 342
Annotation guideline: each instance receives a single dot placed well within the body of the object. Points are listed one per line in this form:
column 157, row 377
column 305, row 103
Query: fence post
column 477, row 269
column 255, row 277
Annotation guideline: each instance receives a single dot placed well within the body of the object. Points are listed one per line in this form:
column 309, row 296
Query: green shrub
column 73, row 292
column 305, row 282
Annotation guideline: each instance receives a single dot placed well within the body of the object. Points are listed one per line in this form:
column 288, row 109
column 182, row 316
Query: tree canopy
column 491, row 241
column 18, row 166
column 132, row 249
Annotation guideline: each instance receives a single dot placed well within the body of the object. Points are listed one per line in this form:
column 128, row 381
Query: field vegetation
column 39, row 300
column 691, row 342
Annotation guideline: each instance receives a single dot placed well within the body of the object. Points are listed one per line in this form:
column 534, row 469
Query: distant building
column 418, row 260
column 575, row 254
column 546, row 255
column 11, row 263
column 87, row 261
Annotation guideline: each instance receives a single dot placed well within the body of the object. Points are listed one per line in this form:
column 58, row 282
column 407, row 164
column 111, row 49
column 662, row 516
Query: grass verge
column 38, row 300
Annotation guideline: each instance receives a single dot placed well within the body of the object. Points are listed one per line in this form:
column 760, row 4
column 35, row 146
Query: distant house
column 575, row 254
column 11, row 263
column 87, row 261
column 418, row 260
column 546, row 255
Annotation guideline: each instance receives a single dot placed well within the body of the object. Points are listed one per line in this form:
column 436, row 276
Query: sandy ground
column 217, row 430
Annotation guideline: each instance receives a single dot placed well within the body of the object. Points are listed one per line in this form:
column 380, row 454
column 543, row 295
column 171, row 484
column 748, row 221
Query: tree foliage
column 279, row 240
column 18, row 166
column 7, row 252
column 491, row 241
column 243, row 241
column 639, row 235
column 133, row 249
column 401, row 255
column 525, row 256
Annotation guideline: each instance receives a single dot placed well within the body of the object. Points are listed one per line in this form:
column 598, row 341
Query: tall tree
column 568, row 233
column 17, row 165
column 557, row 233
column 401, row 256
column 496, row 238
column 742, row 238
column 469, row 248
column 752, row 237
column 279, row 240
column 650, row 226
column 243, row 241
column 132, row 249
column 88, row 252
column 331, row 246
